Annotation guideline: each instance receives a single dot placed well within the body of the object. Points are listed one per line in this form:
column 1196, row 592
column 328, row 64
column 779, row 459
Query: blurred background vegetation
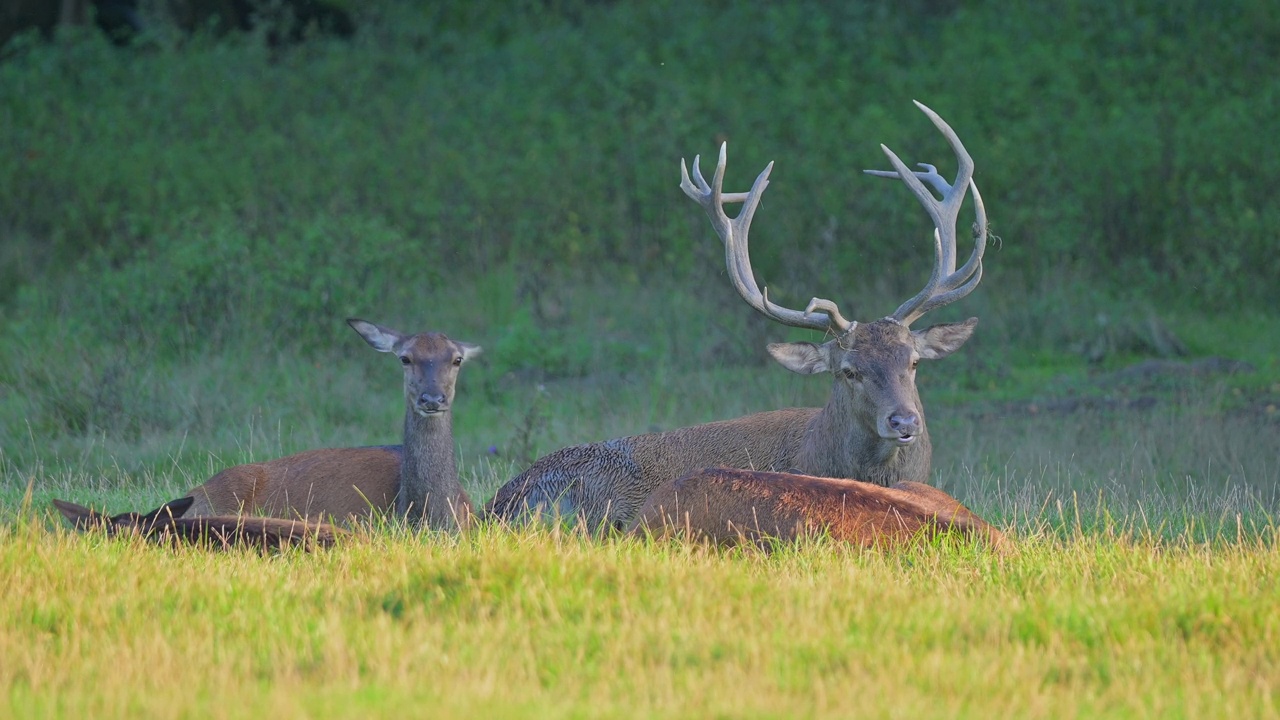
column 186, row 220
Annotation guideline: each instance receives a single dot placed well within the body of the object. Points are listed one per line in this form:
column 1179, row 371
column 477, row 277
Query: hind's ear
column 80, row 517
column 382, row 339
column 469, row 350
column 180, row 506
column 172, row 509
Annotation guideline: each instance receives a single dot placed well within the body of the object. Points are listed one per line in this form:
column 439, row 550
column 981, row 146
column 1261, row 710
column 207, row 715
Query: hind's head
column 83, row 518
column 431, row 363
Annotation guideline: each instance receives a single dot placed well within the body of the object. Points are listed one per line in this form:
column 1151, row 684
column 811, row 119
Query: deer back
column 261, row 533
column 604, row 484
column 727, row 506
column 342, row 483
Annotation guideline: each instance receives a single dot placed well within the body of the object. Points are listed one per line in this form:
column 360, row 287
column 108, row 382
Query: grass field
column 541, row 624
column 186, row 223
column 1143, row 584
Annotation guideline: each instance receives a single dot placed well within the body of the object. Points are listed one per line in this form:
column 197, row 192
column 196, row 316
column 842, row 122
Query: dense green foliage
column 184, row 224
column 509, row 175
column 1131, row 140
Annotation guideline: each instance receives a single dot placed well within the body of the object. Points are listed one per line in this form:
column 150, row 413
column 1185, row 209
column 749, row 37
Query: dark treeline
column 124, row 21
column 1132, row 145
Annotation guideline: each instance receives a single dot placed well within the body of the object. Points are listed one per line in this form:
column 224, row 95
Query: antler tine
column 945, row 283
column 970, row 275
column 733, row 233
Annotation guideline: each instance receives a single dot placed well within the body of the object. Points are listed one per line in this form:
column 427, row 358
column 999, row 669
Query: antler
column 946, row 284
column 736, row 256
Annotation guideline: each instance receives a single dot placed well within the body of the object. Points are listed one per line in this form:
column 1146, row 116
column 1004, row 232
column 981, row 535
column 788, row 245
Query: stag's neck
column 837, row 445
column 429, row 475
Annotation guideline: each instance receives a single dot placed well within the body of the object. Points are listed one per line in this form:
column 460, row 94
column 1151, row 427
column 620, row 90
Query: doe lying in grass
column 728, row 506
column 168, row 524
column 419, row 478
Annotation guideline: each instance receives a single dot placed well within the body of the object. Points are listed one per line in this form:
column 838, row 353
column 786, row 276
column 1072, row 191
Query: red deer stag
column 872, row 427
column 726, row 506
column 168, row 524
column 419, row 479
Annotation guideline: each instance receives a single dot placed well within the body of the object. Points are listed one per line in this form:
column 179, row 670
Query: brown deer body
column 872, row 427
column 167, row 523
column 417, row 480
column 725, row 506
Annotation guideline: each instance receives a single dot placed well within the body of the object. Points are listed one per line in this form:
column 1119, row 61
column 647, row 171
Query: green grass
column 540, row 624
column 185, row 225
column 1142, row 583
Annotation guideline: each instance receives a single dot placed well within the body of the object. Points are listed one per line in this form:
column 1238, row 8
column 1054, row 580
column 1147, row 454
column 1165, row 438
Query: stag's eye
column 852, row 374
column 457, row 361
column 404, row 360
column 914, row 364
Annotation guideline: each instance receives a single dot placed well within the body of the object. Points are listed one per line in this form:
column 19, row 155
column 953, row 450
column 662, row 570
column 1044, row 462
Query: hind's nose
column 431, row 402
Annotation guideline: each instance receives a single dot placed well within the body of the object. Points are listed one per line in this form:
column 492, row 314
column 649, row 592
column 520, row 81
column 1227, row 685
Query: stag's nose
column 431, row 402
column 906, row 425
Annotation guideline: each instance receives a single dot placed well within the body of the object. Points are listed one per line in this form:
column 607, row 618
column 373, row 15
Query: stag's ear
column 380, row 338
column 940, row 341
column 804, row 358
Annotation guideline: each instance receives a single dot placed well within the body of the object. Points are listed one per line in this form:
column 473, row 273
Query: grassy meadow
column 186, row 223
column 539, row 624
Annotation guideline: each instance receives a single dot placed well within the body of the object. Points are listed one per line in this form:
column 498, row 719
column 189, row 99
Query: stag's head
column 875, row 369
column 874, row 363
column 430, row 360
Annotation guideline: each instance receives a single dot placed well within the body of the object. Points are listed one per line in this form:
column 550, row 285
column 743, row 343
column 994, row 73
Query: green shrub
column 509, row 175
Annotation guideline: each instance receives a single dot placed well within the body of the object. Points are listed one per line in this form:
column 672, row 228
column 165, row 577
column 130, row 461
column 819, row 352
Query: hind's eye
column 404, row 360
column 457, row 361
column 915, row 364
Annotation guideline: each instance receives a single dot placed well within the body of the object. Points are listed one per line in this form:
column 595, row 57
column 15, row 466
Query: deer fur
column 854, row 436
column 168, row 524
column 727, row 506
column 418, row 480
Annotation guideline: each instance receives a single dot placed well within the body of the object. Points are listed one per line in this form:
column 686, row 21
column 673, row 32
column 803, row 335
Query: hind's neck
column 429, row 486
